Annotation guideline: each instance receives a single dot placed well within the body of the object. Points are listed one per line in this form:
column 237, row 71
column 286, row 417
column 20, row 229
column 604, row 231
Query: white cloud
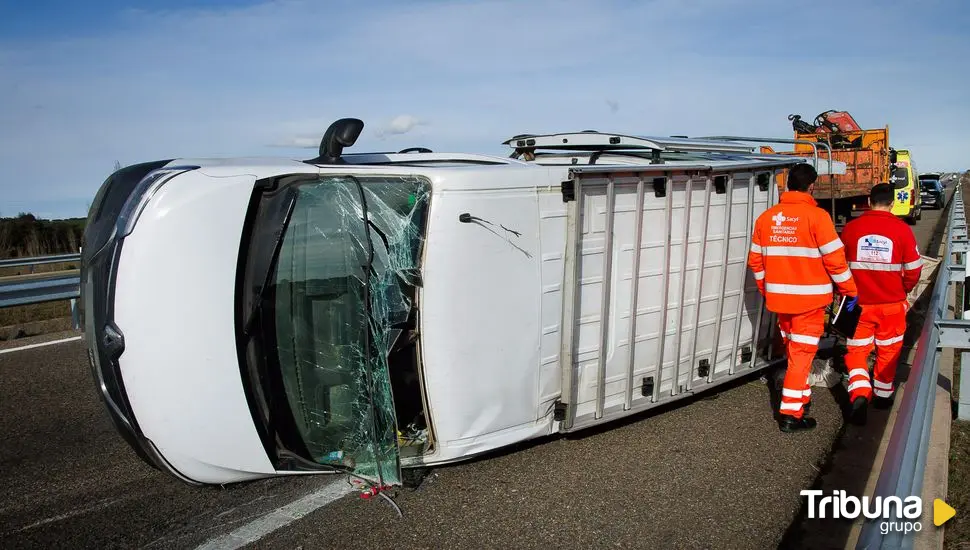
column 266, row 78
column 301, row 142
column 401, row 124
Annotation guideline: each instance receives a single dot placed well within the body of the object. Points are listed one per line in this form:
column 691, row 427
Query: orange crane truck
column 866, row 153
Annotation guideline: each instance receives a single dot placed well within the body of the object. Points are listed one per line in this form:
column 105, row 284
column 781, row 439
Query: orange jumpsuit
column 796, row 255
column 886, row 263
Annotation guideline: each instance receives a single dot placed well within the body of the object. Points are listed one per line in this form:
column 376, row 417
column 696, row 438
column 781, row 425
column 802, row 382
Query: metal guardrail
column 21, row 262
column 42, row 289
column 52, row 289
column 903, row 468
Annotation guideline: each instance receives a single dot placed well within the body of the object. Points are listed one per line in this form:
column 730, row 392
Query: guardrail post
column 963, row 407
column 75, row 320
column 966, row 299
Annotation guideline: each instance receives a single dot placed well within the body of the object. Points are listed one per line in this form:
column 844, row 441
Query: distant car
column 938, row 177
column 931, row 193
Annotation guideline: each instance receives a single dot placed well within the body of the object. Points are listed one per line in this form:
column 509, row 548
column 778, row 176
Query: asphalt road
column 712, row 473
column 69, row 481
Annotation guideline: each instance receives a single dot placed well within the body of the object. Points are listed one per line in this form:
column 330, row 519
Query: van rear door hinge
column 646, row 388
column 568, row 191
column 559, row 411
column 704, row 368
column 763, row 179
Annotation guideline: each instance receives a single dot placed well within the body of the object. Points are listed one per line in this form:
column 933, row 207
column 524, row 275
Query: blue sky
column 83, row 84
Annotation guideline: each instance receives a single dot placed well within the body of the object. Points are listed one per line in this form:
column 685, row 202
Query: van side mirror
column 340, row 134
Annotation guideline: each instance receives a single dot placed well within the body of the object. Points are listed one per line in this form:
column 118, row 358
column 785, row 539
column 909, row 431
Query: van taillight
column 912, row 199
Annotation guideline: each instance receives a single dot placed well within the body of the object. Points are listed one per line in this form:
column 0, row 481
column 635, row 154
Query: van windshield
column 338, row 294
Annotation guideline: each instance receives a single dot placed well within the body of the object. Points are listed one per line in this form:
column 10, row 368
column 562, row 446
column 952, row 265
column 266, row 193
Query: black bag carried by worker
column 844, row 321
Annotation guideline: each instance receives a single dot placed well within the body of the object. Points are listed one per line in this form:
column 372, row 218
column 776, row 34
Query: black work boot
column 883, row 403
column 790, row 424
column 858, row 414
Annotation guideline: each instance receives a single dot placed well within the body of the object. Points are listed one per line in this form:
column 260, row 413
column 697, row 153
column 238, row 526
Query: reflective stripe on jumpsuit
column 801, row 334
column 881, row 326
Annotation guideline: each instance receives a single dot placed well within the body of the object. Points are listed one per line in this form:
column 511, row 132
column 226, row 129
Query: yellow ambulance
column 905, row 181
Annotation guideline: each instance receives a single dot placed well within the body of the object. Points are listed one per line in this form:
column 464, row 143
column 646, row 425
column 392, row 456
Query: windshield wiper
column 277, row 247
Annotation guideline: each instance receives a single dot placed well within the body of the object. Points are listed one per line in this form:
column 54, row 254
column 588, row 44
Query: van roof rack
column 593, row 141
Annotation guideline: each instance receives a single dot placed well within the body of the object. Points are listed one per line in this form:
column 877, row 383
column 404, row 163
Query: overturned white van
column 361, row 313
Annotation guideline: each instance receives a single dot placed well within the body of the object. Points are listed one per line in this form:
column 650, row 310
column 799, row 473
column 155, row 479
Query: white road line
column 40, row 345
column 101, row 505
column 266, row 524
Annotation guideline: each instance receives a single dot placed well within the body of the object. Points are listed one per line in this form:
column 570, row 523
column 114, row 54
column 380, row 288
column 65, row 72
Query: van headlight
column 143, row 192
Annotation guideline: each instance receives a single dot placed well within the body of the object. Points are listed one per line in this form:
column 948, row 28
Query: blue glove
column 851, row 305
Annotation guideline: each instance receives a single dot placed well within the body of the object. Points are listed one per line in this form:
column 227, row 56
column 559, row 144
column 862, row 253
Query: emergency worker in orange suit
column 796, row 255
column 886, row 263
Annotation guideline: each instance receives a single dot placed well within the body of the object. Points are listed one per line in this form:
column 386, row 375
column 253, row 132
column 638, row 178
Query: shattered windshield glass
column 335, row 322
